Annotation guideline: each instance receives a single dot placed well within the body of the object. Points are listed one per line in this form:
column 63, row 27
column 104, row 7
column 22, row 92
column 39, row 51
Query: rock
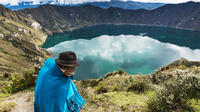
column 1, row 35
column 108, row 74
column 6, row 75
column 36, row 25
column 16, row 34
column 117, row 75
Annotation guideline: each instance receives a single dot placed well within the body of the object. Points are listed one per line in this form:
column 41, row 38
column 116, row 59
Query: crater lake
column 135, row 49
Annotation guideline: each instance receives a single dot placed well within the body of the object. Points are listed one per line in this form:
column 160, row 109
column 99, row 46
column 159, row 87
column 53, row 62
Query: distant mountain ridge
column 63, row 18
column 125, row 4
column 104, row 4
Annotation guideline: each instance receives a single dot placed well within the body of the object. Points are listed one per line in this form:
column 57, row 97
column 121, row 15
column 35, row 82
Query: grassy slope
column 111, row 93
column 13, row 40
column 19, row 49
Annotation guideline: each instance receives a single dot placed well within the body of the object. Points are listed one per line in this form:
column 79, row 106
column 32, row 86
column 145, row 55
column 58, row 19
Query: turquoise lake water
column 105, row 48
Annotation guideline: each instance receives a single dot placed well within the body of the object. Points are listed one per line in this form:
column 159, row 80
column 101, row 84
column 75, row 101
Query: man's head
column 68, row 71
column 67, row 62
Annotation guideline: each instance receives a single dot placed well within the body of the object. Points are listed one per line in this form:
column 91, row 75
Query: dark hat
column 67, row 58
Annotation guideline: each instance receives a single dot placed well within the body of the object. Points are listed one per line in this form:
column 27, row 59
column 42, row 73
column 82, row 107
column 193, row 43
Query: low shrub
column 139, row 85
column 19, row 82
column 124, row 108
column 114, row 88
column 101, row 89
column 175, row 93
column 6, row 107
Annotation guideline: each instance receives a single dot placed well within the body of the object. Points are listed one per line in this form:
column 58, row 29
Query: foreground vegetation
column 174, row 87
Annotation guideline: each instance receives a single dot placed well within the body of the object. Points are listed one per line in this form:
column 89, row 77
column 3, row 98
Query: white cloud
column 167, row 1
column 108, row 47
column 15, row 2
column 134, row 53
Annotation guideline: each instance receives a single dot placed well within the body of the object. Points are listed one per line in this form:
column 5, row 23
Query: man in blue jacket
column 55, row 90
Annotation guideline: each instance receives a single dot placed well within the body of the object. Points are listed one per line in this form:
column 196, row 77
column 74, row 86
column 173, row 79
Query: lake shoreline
column 122, row 24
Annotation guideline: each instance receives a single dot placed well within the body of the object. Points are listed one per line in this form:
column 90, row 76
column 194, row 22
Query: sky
column 15, row 2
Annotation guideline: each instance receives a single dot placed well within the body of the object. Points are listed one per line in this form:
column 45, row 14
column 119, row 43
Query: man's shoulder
column 48, row 63
column 49, row 60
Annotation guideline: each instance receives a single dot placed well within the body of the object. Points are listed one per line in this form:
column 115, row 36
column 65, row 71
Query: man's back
column 51, row 89
column 55, row 90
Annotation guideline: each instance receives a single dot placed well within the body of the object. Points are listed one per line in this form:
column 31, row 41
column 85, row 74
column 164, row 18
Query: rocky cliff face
column 62, row 18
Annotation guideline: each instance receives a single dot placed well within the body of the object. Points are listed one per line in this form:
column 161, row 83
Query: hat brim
column 73, row 64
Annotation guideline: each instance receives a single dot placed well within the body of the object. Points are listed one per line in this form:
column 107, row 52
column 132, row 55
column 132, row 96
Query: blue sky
column 15, row 2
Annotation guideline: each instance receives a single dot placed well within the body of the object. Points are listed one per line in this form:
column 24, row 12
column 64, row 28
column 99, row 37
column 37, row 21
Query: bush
column 139, row 86
column 6, row 107
column 19, row 82
column 175, row 93
column 114, row 88
column 124, row 108
column 101, row 89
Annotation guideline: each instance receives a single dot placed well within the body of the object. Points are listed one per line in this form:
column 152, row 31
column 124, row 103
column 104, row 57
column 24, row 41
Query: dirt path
column 24, row 102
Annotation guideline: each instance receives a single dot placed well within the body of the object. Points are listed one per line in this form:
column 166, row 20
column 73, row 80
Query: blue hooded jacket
column 54, row 92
